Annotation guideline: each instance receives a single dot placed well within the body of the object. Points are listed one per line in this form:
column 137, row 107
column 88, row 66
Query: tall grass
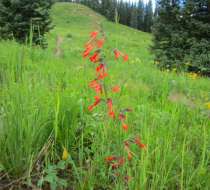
column 41, row 95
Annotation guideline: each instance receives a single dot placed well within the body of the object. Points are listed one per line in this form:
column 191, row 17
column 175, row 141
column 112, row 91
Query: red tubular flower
column 115, row 54
column 99, row 42
column 98, row 87
column 93, row 82
column 126, row 143
column 115, row 164
column 115, row 88
column 110, row 158
column 123, row 125
column 127, row 177
column 121, row 115
column 142, row 145
column 100, row 75
column 97, row 69
column 120, row 161
column 109, row 102
column 111, row 113
column 97, row 96
column 128, row 109
column 93, row 33
column 87, row 44
column 97, row 59
column 125, row 57
column 94, row 104
column 85, row 52
column 94, row 56
column 129, row 155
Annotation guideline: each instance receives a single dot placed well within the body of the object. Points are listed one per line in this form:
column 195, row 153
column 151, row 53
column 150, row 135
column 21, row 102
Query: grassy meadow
column 44, row 114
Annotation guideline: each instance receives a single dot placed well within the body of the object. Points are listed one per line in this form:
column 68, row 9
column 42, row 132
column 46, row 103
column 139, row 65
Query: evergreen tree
column 113, row 5
column 168, row 43
column 88, row 3
column 195, row 34
column 103, row 9
column 183, row 34
column 94, row 5
column 121, row 11
column 140, row 15
column 128, row 15
column 107, row 9
column 148, row 18
column 134, row 16
column 17, row 17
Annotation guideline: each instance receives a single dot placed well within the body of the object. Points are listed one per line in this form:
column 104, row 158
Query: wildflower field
column 128, row 124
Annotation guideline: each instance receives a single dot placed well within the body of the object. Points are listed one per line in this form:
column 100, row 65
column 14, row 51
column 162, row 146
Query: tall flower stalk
column 101, row 57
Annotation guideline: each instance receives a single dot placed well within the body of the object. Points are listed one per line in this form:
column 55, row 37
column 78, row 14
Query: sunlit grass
column 39, row 91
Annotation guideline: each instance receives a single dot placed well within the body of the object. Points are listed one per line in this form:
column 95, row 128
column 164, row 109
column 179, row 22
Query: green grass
column 43, row 109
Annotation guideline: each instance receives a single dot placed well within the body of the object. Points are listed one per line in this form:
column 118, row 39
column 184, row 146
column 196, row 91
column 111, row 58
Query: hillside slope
column 73, row 18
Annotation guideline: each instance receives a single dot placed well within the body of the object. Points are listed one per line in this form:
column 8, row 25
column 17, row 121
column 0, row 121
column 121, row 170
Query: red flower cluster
column 101, row 72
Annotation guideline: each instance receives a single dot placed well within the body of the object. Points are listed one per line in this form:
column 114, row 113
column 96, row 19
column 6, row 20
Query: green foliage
column 148, row 17
column 68, row 35
column 140, row 15
column 170, row 112
column 17, row 17
column 51, row 176
column 181, row 35
column 134, row 18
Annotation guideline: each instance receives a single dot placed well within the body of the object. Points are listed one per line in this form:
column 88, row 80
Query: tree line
column 136, row 15
column 181, row 35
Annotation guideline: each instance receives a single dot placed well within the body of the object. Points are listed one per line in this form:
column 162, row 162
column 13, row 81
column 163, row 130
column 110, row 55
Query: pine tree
column 128, row 15
column 165, row 24
column 140, row 15
column 134, row 16
column 103, row 9
column 113, row 5
column 148, row 18
column 195, row 27
column 121, row 11
column 17, row 17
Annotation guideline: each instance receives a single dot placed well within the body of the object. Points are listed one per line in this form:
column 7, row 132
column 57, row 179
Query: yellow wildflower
column 156, row 62
column 207, row 104
column 206, row 98
column 132, row 61
column 187, row 63
column 64, row 156
column 175, row 69
column 202, row 92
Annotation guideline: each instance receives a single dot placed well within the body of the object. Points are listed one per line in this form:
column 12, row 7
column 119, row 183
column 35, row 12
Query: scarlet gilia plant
column 101, row 72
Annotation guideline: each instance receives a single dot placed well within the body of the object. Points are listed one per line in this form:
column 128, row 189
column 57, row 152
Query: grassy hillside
column 44, row 114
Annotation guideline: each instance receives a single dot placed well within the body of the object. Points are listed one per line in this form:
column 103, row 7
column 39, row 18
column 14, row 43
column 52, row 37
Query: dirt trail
column 58, row 51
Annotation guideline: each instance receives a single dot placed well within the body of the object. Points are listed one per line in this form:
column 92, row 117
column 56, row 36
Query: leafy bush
column 68, row 35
